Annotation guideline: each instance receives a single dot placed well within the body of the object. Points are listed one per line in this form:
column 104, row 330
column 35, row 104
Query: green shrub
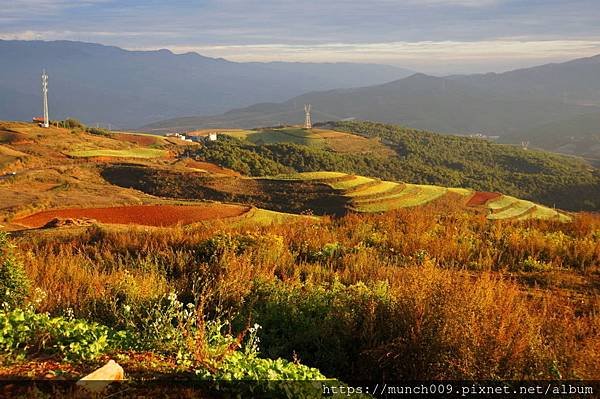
column 23, row 331
column 98, row 131
column 245, row 373
column 324, row 325
column 533, row 265
column 14, row 284
column 164, row 325
column 72, row 123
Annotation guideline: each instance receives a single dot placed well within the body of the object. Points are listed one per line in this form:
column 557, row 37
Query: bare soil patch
column 147, row 215
column 481, row 198
column 137, row 139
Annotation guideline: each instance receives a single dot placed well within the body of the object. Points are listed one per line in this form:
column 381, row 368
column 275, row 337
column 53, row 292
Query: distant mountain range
column 419, row 101
column 554, row 106
column 575, row 82
column 104, row 84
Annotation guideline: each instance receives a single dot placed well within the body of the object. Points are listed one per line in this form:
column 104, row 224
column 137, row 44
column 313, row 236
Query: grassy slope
column 128, row 153
column 425, row 158
column 47, row 178
column 325, row 139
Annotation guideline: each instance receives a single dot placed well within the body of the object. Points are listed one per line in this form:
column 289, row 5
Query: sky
column 432, row 36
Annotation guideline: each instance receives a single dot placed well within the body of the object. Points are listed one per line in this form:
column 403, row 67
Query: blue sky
column 435, row 36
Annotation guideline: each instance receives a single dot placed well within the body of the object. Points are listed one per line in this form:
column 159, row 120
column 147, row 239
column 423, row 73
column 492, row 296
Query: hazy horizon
column 434, row 36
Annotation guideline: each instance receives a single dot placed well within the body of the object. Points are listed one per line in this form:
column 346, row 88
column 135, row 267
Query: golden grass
column 444, row 269
column 501, row 202
column 310, row 176
column 129, row 153
column 413, row 195
column 356, row 181
column 377, row 189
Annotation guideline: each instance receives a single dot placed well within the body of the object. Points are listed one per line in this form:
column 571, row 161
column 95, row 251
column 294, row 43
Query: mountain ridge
column 132, row 88
column 418, row 101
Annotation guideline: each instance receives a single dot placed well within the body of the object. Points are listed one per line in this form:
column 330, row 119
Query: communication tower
column 307, row 120
column 45, row 97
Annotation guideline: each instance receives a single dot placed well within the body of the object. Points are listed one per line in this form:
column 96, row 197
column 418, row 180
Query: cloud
column 427, row 56
column 400, row 50
column 26, row 10
column 446, row 3
column 395, row 31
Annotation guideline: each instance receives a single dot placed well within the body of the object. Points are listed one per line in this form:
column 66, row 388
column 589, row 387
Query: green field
column 129, row 153
column 507, row 207
column 279, row 135
column 542, row 212
column 354, row 182
column 411, row 195
column 517, row 209
column 371, row 195
column 380, row 189
column 286, row 135
column 311, row 176
column 461, row 191
column 265, row 217
column 502, row 202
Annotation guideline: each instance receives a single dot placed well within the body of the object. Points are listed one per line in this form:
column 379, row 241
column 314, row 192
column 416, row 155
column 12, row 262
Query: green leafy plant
column 14, row 284
column 24, row 332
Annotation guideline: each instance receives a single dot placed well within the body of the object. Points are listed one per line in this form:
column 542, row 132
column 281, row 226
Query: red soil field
column 211, row 167
column 137, row 139
column 147, row 215
column 481, row 197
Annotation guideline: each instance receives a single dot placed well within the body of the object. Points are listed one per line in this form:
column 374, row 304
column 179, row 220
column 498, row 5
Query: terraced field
column 321, row 138
column 265, row 217
column 507, row 207
column 373, row 195
column 128, row 153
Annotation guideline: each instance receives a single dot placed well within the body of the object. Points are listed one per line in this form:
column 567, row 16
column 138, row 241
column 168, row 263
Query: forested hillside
column 429, row 158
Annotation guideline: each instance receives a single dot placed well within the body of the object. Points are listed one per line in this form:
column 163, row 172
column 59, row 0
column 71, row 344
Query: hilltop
column 88, row 175
column 55, row 173
column 397, row 153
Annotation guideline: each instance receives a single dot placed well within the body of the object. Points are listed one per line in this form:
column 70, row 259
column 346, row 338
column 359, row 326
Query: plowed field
column 147, row 215
column 482, row 197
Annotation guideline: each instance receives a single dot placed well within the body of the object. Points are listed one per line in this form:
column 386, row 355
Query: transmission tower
column 307, row 120
column 45, row 97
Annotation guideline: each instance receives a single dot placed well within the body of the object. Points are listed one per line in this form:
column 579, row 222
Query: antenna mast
column 307, row 120
column 45, row 96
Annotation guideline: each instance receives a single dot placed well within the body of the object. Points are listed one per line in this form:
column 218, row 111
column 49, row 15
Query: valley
column 280, row 199
column 269, row 220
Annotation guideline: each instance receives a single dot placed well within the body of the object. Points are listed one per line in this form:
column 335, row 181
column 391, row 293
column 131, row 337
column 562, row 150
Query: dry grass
column 454, row 308
column 129, row 153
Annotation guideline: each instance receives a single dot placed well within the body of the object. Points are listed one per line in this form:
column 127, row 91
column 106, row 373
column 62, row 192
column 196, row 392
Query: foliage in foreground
column 162, row 326
column 444, row 292
column 14, row 284
column 24, row 332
